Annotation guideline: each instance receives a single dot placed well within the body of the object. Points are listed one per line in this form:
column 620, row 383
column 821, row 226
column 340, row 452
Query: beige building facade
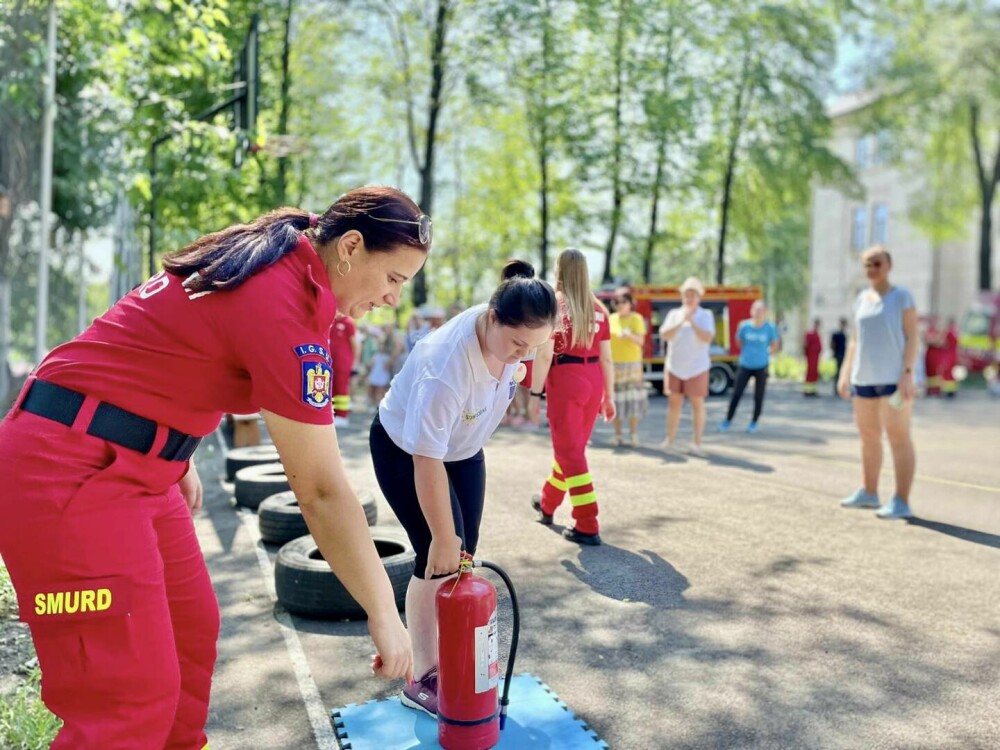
column 942, row 279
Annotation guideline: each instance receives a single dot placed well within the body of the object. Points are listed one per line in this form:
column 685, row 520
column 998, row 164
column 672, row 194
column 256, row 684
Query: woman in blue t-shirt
column 878, row 377
column 758, row 340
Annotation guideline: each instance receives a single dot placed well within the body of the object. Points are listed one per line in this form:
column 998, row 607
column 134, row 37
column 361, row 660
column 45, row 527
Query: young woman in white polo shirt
column 427, row 444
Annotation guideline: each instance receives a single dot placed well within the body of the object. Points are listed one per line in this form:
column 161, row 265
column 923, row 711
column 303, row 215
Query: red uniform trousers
column 83, row 514
column 933, row 358
column 813, row 348
column 342, row 366
column 573, row 394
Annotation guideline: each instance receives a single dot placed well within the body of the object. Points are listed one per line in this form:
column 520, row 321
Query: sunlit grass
column 25, row 723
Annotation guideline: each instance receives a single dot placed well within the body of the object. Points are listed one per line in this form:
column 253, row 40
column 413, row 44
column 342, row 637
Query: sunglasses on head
column 423, row 223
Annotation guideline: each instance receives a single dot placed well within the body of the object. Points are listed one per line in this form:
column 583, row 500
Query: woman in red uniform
column 343, row 353
column 578, row 374
column 99, row 487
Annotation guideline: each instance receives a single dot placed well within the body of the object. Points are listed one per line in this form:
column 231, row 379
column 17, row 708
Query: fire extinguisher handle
column 514, row 636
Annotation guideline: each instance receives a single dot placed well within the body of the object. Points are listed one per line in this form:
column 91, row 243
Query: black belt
column 109, row 422
column 569, row 359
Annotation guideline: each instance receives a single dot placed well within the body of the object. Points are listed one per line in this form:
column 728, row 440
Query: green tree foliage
column 940, row 96
column 770, row 129
column 669, row 137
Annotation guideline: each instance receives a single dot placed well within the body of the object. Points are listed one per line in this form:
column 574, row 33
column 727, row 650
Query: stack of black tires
column 304, row 583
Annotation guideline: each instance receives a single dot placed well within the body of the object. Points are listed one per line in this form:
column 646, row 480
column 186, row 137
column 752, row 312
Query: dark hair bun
column 515, row 268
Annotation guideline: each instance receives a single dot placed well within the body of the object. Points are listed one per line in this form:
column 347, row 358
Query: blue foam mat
column 536, row 719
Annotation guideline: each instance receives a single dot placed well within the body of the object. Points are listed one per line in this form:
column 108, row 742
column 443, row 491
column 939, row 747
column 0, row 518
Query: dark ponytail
column 225, row 259
column 522, row 300
column 385, row 217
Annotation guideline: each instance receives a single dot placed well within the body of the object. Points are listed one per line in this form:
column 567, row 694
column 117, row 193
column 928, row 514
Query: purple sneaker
column 422, row 694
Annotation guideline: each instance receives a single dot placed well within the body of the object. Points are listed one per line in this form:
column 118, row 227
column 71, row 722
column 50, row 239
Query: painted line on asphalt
column 315, row 709
column 886, row 469
column 322, row 730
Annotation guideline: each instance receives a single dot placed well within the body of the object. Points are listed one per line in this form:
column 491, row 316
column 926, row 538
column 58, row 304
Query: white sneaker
column 697, row 452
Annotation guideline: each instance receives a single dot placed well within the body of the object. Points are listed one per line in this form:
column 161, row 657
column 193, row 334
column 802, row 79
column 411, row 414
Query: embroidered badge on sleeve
column 316, row 374
column 316, row 378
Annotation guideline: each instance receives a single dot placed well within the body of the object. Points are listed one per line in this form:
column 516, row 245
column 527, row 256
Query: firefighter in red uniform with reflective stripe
column 949, row 360
column 343, row 352
column 933, row 356
column 99, row 488
column 578, row 374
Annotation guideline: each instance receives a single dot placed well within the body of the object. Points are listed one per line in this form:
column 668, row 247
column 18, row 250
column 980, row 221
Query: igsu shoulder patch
column 316, row 374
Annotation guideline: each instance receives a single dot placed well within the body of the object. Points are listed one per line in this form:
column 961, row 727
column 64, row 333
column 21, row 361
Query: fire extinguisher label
column 487, row 656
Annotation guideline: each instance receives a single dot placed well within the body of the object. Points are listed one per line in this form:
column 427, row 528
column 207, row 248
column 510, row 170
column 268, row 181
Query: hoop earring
column 344, row 273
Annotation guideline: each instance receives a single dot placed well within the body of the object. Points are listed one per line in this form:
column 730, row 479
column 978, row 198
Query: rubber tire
column 280, row 518
column 307, row 587
column 255, row 484
column 252, row 455
column 720, row 380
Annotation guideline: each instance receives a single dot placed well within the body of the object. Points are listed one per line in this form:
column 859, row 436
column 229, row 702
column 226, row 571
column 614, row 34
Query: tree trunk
column 986, row 243
column 616, row 176
column 661, row 161
column 434, row 111
column 647, row 256
column 281, row 179
column 727, row 182
column 543, row 146
column 543, row 249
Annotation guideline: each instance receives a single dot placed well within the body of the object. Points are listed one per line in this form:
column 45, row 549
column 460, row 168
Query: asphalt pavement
column 733, row 604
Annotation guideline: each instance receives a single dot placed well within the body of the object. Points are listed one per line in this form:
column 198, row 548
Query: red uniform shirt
column 183, row 359
column 563, row 335
column 341, row 335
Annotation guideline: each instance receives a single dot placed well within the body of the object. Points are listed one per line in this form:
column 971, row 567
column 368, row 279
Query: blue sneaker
column 752, row 428
column 895, row 508
column 725, row 425
column 860, row 499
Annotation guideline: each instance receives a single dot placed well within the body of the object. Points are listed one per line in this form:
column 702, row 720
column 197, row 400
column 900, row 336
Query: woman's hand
column 608, row 409
column 190, row 487
column 906, row 387
column 394, row 654
column 443, row 556
column 843, row 388
column 534, row 410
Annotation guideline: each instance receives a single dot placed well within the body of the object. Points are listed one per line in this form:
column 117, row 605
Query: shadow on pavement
column 718, row 459
column 626, row 576
column 959, row 532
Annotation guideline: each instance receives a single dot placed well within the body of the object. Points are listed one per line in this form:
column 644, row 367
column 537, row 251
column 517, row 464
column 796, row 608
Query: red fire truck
column 979, row 333
column 729, row 305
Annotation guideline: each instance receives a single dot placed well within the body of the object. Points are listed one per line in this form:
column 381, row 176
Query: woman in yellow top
column 628, row 335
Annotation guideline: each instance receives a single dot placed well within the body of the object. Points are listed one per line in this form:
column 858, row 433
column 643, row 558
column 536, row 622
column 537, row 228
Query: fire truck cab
column 729, row 304
column 979, row 333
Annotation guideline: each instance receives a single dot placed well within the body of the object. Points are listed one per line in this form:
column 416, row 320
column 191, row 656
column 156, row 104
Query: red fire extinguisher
column 469, row 715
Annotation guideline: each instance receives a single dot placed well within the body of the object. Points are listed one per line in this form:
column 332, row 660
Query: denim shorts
column 873, row 391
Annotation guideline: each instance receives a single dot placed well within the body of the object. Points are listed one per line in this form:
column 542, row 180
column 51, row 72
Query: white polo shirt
column 444, row 403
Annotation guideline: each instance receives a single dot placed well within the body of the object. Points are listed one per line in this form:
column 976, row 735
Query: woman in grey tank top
column 878, row 378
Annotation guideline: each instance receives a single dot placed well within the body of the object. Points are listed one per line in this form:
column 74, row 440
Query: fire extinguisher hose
column 515, row 632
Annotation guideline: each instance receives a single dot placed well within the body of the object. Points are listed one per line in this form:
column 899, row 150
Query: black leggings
column 466, row 480
column 743, row 376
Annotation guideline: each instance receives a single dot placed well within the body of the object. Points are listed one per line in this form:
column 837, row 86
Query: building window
column 883, row 147
column 880, row 223
column 861, row 155
column 859, row 221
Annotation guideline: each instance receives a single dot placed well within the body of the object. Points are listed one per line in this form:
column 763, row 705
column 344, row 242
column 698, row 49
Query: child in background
column 380, row 372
